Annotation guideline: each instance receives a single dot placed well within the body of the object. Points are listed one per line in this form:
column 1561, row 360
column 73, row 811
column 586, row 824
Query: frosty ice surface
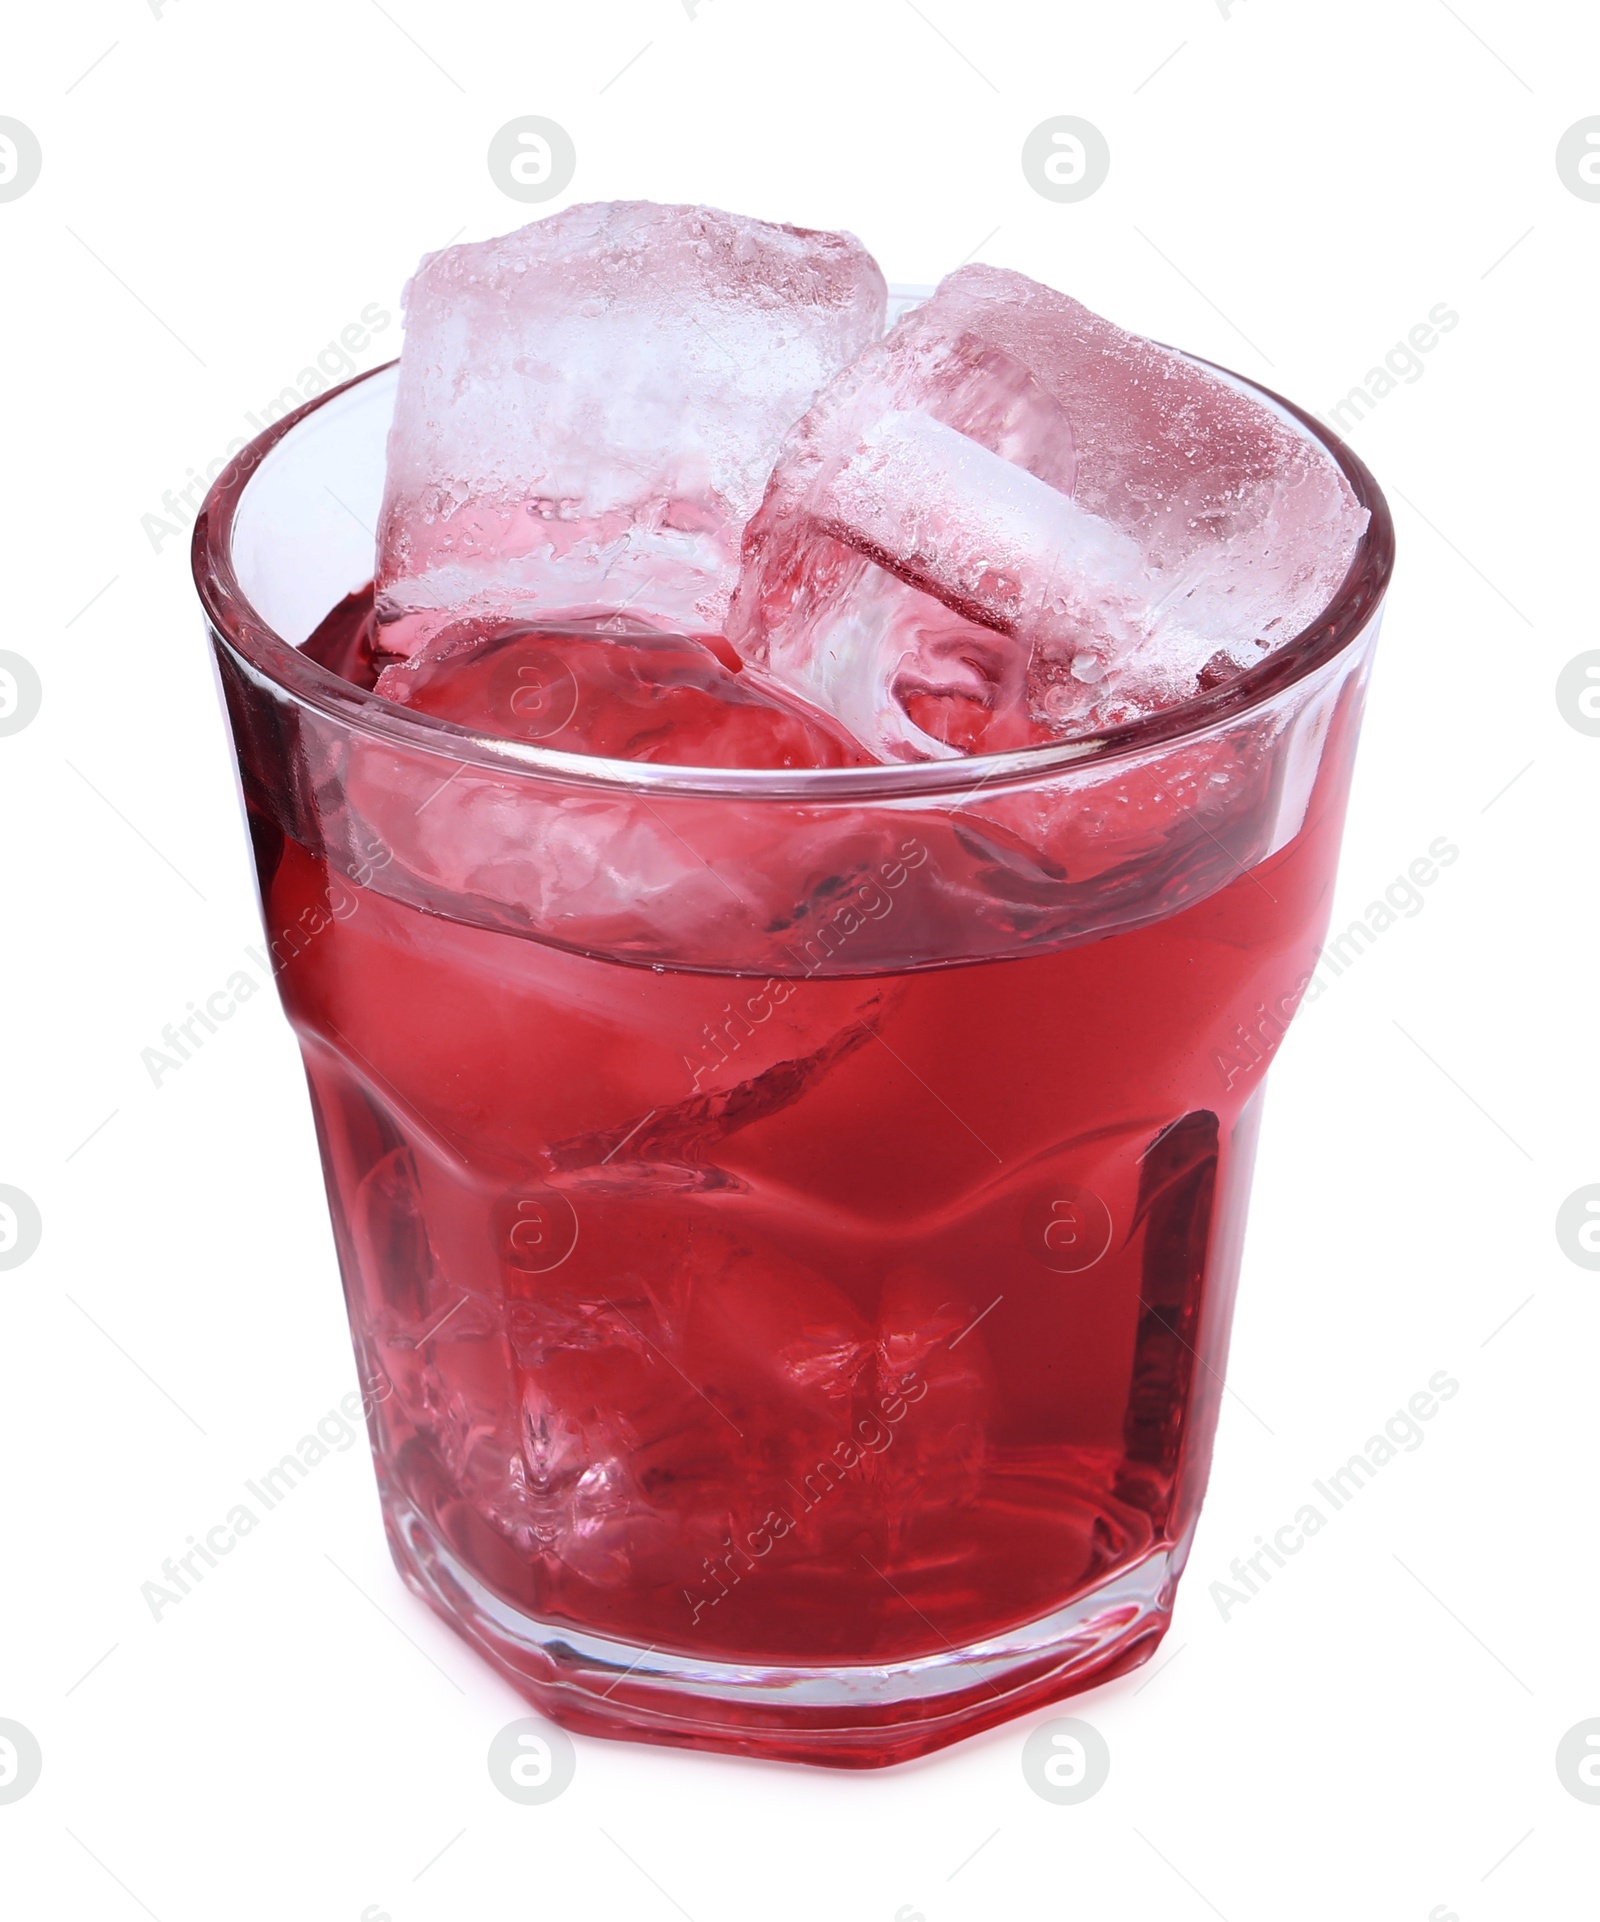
column 589, row 408
column 1191, row 530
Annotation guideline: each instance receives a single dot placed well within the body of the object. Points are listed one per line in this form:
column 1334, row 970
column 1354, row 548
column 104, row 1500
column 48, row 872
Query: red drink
column 805, row 1313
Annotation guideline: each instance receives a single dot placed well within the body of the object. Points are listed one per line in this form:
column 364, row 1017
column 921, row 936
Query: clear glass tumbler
column 798, row 1212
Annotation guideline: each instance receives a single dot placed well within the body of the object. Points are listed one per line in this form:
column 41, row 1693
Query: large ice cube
column 588, row 410
column 1011, row 519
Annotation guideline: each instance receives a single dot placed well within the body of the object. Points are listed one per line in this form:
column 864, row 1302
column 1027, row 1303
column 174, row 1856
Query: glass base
column 832, row 1716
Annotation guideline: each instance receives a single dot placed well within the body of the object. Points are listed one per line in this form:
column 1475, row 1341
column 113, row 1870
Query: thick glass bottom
column 833, row 1716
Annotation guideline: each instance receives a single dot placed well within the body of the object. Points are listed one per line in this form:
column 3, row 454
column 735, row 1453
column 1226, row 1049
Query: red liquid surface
column 619, row 690
column 819, row 1321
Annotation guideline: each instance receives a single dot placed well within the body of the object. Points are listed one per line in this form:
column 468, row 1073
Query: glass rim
column 268, row 655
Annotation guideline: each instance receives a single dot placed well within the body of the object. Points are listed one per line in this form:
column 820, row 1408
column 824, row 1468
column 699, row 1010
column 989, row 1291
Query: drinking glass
column 794, row 1214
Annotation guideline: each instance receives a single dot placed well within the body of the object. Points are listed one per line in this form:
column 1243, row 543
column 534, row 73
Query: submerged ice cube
column 1010, row 519
column 614, row 687
column 588, row 410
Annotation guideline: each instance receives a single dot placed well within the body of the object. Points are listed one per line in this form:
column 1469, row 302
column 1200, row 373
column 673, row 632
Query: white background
column 1294, row 189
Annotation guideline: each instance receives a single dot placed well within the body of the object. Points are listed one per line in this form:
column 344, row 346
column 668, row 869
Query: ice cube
column 997, row 546
column 908, row 673
column 932, row 1360
column 614, row 687
column 1247, row 524
column 1011, row 519
column 588, row 410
